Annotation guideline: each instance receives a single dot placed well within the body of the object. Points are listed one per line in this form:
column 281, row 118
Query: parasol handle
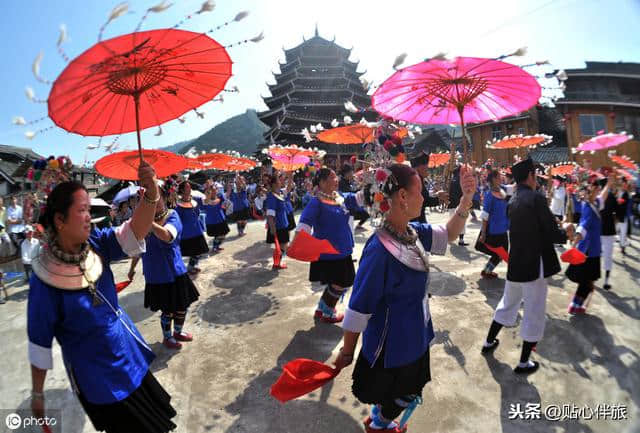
column 136, row 103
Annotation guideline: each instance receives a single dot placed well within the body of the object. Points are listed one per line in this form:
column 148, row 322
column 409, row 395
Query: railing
column 311, row 116
column 601, row 97
column 317, row 101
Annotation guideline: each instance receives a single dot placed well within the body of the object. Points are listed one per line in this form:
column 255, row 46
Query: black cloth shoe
column 490, row 349
column 607, row 286
column 527, row 370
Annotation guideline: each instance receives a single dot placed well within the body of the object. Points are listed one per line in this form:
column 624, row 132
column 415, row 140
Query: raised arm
column 144, row 214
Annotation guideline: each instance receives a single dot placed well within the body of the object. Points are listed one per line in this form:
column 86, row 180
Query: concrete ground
column 251, row 320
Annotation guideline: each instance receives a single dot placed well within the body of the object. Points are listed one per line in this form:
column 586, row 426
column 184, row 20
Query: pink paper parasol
column 603, row 141
column 465, row 89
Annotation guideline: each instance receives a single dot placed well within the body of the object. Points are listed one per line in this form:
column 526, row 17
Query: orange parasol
column 351, row 134
column 438, row 159
column 124, row 165
column 623, row 161
column 519, row 141
column 287, row 166
column 214, row 160
column 563, row 169
column 239, row 163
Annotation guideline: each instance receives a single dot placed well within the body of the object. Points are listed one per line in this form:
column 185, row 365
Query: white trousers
column 607, row 251
column 452, row 212
column 534, row 294
column 622, row 232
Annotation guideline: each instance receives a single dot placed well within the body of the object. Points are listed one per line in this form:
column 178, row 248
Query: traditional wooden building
column 605, row 97
column 14, row 163
column 314, row 82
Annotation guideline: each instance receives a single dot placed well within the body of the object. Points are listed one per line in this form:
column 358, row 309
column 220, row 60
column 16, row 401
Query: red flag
column 277, row 252
column 500, row 251
column 300, row 377
column 573, row 256
column 122, row 285
column 306, row 248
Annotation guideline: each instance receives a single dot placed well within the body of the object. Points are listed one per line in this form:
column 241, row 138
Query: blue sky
column 566, row 32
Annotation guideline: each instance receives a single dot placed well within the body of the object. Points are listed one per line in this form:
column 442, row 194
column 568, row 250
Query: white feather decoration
column 118, row 11
column 363, row 121
column 63, row 35
column 258, row 38
column 401, row 122
column 319, row 127
column 561, row 75
column 162, row 6
column 335, row 123
column 200, row 114
column 522, row 51
column 207, row 6
column 92, row 146
column 235, row 89
column 36, row 65
column 348, row 120
column 439, row 56
column 30, row 93
column 182, row 119
column 418, row 130
column 399, row 60
column 350, row 107
column 312, row 128
column 30, row 135
column 18, row 120
column 241, row 15
column 159, row 133
column 411, row 134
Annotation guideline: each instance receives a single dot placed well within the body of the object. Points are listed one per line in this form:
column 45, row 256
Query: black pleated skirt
column 146, row 410
column 376, row 384
column 587, row 272
column 194, row 246
column 283, row 236
column 171, row 297
column 292, row 221
column 340, row 272
column 495, row 241
column 220, row 229
column 241, row 215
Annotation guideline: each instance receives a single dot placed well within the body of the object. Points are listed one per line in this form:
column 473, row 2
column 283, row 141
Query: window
column 521, row 131
column 496, row 132
column 590, row 124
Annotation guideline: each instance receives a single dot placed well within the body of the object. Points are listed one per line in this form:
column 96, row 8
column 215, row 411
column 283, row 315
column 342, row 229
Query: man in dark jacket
column 533, row 231
column 455, row 193
column 420, row 163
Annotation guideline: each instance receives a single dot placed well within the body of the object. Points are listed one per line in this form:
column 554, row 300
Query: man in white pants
column 532, row 232
column 624, row 214
column 608, row 214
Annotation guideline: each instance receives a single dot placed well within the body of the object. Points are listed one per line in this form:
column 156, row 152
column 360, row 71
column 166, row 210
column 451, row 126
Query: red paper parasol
column 438, row 159
column 239, row 163
column 465, row 89
column 351, row 134
column 563, row 169
column 124, row 165
column 194, row 164
column 307, row 248
column 519, row 141
column 139, row 80
column 623, row 161
column 214, row 160
column 300, row 377
column 573, row 256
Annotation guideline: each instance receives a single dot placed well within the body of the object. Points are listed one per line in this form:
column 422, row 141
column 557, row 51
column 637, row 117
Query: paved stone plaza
column 251, row 320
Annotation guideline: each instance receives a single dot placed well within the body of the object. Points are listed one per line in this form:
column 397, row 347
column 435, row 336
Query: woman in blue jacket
column 277, row 222
column 389, row 303
column 326, row 217
column 587, row 240
column 240, row 202
column 216, row 219
column 193, row 243
column 495, row 223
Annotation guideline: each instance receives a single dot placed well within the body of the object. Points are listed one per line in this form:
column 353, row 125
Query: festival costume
column 533, row 231
column 494, row 211
column 390, row 306
column 168, row 287
column 193, row 243
column 240, row 209
column 216, row 221
column 608, row 216
column 291, row 220
column 328, row 218
column 586, row 273
column 276, row 207
column 106, row 358
column 623, row 213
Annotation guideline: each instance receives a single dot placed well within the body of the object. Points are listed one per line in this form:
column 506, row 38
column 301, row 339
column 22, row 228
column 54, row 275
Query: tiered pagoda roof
column 314, row 82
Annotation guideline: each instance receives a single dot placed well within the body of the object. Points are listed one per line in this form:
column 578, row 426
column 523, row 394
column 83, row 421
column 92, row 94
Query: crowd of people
column 73, row 295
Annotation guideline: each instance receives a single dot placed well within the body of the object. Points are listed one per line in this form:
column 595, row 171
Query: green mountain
column 241, row 133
